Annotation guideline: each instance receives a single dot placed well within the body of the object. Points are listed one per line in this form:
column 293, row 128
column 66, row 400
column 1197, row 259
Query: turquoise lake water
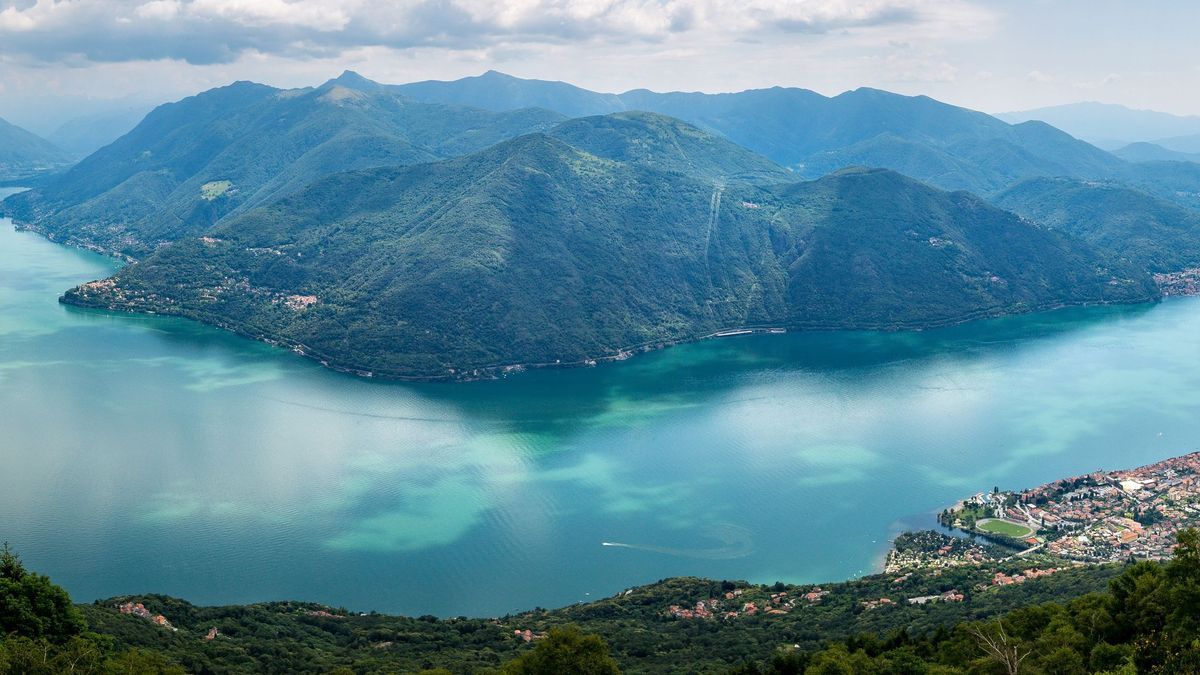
column 148, row 454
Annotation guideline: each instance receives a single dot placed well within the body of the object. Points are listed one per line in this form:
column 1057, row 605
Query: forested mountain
column 1150, row 232
column 191, row 163
column 947, row 146
column 23, row 153
column 535, row 251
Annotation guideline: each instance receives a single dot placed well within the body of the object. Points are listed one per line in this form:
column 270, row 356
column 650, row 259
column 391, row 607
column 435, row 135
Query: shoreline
column 498, row 371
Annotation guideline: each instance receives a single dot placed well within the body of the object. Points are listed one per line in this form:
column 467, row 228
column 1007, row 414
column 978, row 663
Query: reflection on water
column 154, row 454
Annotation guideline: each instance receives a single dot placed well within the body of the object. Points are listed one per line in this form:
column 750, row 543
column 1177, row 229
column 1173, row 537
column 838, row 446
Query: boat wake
column 735, row 542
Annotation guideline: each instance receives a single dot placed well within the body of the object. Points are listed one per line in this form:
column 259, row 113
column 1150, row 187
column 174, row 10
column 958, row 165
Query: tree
column 141, row 662
column 31, row 606
column 565, row 650
column 1000, row 647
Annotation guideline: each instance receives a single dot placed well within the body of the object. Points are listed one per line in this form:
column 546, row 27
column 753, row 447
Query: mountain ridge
column 814, row 134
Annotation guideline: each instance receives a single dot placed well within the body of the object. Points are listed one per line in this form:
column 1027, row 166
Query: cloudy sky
column 60, row 58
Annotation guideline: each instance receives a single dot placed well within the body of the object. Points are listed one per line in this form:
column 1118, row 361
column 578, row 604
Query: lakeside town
column 1097, row 517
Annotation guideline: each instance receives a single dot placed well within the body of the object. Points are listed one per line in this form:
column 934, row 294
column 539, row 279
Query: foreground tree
column 31, row 606
column 1000, row 647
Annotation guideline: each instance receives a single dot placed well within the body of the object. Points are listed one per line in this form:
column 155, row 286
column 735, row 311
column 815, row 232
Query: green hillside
column 1150, row 232
column 536, row 252
column 150, row 186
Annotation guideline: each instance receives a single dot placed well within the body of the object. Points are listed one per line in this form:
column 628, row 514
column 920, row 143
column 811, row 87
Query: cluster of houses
column 948, row 596
column 139, row 610
column 876, row 604
column 1002, row 579
column 734, row 605
column 527, row 635
column 1186, row 282
column 323, row 614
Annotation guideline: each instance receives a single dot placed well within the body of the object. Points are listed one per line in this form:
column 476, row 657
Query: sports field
column 1004, row 527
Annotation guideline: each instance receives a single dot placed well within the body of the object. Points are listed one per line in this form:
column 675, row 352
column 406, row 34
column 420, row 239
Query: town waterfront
column 150, row 454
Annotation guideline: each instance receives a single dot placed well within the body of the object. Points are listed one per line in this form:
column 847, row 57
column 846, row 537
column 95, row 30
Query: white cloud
column 315, row 14
column 211, row 31
column 157, row 10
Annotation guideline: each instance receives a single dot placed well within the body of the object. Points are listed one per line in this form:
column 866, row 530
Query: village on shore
column 1094, row 518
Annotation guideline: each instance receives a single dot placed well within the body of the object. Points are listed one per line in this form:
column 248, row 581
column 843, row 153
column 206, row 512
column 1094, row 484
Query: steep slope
column 190, row 164
column 536, row 252
column 23, row 153
column 1150, row 232
column 947, row 146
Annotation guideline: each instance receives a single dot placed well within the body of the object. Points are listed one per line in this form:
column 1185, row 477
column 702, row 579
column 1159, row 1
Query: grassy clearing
column 214, row 189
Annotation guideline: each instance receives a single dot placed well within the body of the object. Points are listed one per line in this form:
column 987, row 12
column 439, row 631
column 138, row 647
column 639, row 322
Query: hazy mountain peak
column 352, row 80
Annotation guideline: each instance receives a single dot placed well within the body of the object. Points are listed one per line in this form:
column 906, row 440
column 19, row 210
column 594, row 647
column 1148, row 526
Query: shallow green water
column 156, row 455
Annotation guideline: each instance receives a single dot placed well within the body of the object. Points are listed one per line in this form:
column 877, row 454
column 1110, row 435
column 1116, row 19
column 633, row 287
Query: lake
column 150, row 454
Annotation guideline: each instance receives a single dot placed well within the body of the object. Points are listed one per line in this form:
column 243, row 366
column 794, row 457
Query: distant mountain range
column 944, row 145
column 23, row 153
column 81, row 136
column 1111, row 126
column 451, row 230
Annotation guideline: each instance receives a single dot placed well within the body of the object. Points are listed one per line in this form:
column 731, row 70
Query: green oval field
column 1003, row 527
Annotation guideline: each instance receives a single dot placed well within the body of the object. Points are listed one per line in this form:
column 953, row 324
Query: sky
column 65, row 58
